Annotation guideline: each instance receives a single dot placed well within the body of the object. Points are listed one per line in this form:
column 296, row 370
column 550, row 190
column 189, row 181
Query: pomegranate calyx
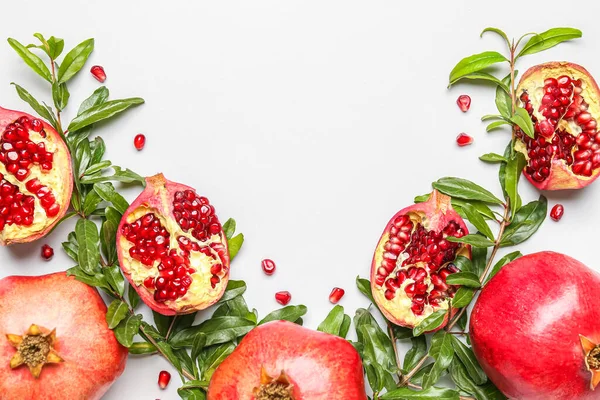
column 34, row 349
column 591, row 351
column 271, row 388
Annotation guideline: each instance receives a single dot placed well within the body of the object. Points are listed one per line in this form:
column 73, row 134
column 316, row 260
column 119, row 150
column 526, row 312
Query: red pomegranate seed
column 557, row 212
column 464, row 140
column 283, row 298
column 336, row 295
column 47, row 252
column 164, row 377
column 98, row 73
column 139, row 141
column 464, row 102
column 268, row 266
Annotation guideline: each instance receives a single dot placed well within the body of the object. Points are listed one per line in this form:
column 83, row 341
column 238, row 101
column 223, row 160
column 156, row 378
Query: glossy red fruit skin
column 561, row 177
column 283, row 297
column 139, row 141
column 464, row 140
column 526, row 324
column 464, row 102
column 98, row 73
column 268, row 266
column 319, row 366
column 150, row 198
column 84, row 340
column 164, row 377
column 9, row 116
column 557, row 212
column 47, row 252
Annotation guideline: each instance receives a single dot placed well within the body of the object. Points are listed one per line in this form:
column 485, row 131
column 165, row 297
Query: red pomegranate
column 535, row 328
column 284, row 361
column 55, row 340
column 413, row 259
column 35, row 177
column 172, row 249
column 563, row 100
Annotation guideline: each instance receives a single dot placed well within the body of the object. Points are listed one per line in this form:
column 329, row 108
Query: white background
column 311, row 123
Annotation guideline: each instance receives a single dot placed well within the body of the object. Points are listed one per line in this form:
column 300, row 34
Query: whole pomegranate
column 172, row 248
column 35, row 177
column 413, row 259
column 563, row 101
column 55, row 343
column 284, row 361
column 535, row 328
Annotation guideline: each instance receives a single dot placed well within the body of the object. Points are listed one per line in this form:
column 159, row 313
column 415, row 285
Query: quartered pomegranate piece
column 172, row 248
column 414, row 258
column 35, row 177
column 563, row 101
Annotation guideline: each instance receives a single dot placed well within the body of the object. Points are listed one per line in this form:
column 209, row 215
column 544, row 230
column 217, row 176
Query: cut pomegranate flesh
column 562, row 100
column 414, row 258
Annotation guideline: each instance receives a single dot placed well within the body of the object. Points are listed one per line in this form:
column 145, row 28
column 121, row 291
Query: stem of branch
column 170, row 327
column 184, row 372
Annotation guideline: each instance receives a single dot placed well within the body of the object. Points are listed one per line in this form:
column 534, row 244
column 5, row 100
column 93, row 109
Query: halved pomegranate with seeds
column 35, row 177
column 563, row 101
column 172, row 249
column 414, row 258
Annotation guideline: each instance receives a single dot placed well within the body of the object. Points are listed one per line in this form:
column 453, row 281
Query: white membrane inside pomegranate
column 34, row 173
column 413, row 264
column 564, row 108
column 179, row 256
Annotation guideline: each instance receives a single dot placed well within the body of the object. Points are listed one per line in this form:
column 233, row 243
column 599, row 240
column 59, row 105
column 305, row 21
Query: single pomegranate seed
column 336, row 295
column 268, row 266
column 557, row 212
column 464, row 140
column 139, row 141
column 47, row 252
column 464, row 102
column 283, row 298
column 164, row 377
column 98, row 73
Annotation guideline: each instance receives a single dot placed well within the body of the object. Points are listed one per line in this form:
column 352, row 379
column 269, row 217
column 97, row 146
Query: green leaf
column 37, row 107
column 474, row 239
column 127, row 329
column 480, row 206
column 71, row 247
column 468, row 279
column 133, row 296
column 103, row 111
column 236, row 307
column 463, row 381
column 88, row 255
column 432, row 393
column 117, row 311
column 333, row 322
column 142, row 348
column 191, row 394
column 463, row 297
column 487, row 117
column 496, row 125
column 375, row 350
column 468, row 359
column 235, row 244
column 34, row 62
column 229, row 228
column 513, row 170
column 465, row 189
column 548, row 39
column 98, row 148
column 99, row 96
column 114, row 278
column 463, row 263
column 169, row 353
column 97, row 280
column 431, row 322
column 74, row 60
column 441, row 349
column 525, row 222
column 503, row 99
column 212, row 357
column 501, row 263
column 108, row 234
column 95, row 168
column 475, row 63
column 523, row 120
column 90, row 203
column 499, row 32
column 55, row 47
column 198, row 345
column 162, row 322
column 60, row 95
column 288, row 313
column 364, row 286
column 415, row 353
column 484, row 76
column 217, row 330
column 479, row 259
column 477, row 220
column 107, row 192
column 493, row 158
column 508, row 154
column 233, row 290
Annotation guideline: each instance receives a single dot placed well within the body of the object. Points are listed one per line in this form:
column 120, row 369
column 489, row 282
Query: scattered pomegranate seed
column 283, row 298
column 464, row 102
column 98, row 73
column 464, row 140
column 164, row 377
column 139, row 141
column 336, row 295
column 268, row 266
column 557, row 212
column 47, row 252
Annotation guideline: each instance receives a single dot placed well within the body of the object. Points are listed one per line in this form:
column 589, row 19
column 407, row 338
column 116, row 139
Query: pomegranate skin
column 318, row 365
column 526, row 324
column 93, row 358
column 9, row 116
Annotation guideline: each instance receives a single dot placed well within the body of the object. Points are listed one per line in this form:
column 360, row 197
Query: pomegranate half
column 55, row 343
column 36, row 178
column 172, row 248
column 284, row 361
column 535, row 328
column 413, row 259
column 563, row 100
